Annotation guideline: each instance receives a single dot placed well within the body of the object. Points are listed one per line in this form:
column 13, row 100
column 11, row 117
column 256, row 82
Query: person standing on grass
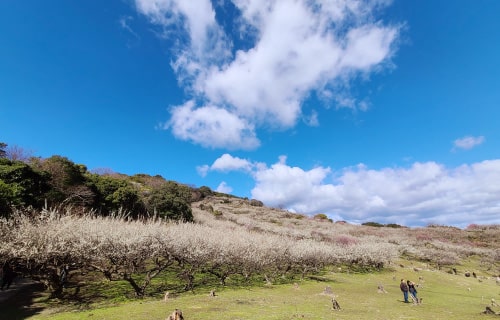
column 412, row 290
column 404, row 287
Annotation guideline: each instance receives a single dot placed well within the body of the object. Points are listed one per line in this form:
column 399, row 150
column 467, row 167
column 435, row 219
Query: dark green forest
column 35, row 182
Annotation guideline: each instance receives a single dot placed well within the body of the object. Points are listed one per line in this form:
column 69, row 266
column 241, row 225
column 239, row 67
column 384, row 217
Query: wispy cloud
column 312, row 119
column 293, row 48
column 467, row 142
column 420, row 194
column 125, row 22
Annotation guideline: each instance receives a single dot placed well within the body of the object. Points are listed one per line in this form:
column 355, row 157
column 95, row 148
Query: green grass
column 445, row 296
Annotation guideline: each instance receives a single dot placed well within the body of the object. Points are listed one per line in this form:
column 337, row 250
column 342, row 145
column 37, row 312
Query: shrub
column 393, row 225
column 322, row 217
column 473, row 226
column 256, row 203
column 20, row 185
column 207, row 207
column 205, row 191
column 372, row 224
column 171, row 201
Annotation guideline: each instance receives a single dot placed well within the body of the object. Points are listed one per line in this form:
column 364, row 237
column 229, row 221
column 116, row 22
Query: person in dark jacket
column 412, row 290
column 64, row 276
column 404, row 288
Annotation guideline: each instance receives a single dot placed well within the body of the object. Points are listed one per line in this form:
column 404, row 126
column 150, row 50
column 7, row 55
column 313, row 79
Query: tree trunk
column 139, row 291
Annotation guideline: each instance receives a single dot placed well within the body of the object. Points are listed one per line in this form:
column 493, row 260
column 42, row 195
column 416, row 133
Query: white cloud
column 468, row 142
column 420, row 194
column 368, row 38
column 211, row 126
column 197, row 17
column 224, row 188
column 295, row 48
column 226, row 163
column 199, row 42
column 125, row 24
column 229, row 163
column 203, row 170
column 312, row 119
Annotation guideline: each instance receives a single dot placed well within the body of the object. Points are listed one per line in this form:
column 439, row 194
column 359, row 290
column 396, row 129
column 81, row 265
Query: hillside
column 436, row 244
column 236, row 243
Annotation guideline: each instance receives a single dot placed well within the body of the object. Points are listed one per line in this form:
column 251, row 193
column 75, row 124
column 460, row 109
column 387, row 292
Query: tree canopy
column 54, row 181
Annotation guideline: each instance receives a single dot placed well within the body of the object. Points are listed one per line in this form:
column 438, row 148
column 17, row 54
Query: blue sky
column 364, row 110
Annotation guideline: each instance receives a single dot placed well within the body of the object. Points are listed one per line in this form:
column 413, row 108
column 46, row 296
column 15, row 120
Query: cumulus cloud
column 211, row 126
column 467, row 142
column 226, row 163
column 420, row 194
column 224, row 188
column 229, row 163
column 292, row 49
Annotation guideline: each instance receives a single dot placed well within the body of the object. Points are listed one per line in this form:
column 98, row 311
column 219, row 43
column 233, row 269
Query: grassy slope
column 445, row 296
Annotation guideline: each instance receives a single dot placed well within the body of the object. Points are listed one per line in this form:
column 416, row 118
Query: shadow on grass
column 26, row 298
column 18, row 302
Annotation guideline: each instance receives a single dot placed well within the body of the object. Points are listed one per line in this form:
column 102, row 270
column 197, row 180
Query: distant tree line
column 33, row 182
